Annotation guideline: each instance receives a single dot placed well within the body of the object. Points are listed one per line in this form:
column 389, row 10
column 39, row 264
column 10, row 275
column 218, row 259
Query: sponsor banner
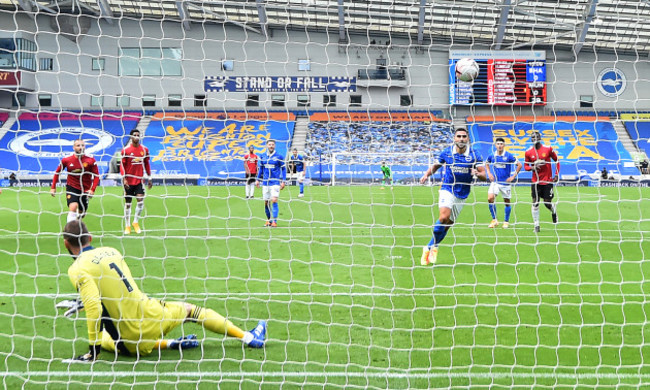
column 582, row 147
column 524, row 118
column 36, row 143
column 344, row 116
column 279, row 84
column 237, row 116
column 3, row 117
column 105, row 116
column 10, row 79
column 211, row 148
column 497, row 54
column 635, row 117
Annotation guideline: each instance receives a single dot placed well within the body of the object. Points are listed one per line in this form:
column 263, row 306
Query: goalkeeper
column 120, row 317
column 388, row 175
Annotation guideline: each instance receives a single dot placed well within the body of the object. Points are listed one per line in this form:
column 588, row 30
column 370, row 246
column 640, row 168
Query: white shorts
column 269, row 192
column 504, row 189
column 448, row 200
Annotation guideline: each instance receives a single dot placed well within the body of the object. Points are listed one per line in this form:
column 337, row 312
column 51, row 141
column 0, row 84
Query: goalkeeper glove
column 72, row 305
column 90, row 357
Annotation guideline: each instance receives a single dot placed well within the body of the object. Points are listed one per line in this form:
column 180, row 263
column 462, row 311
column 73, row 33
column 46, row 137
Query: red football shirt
column 544, row 174
column 251, row 160
column 83, row 173
column 135, row 161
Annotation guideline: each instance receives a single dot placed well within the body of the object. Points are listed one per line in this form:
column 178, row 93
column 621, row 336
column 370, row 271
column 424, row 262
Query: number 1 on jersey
column 119, row 272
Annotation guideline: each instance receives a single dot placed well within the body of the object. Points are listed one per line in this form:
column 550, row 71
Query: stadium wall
column 72, row 81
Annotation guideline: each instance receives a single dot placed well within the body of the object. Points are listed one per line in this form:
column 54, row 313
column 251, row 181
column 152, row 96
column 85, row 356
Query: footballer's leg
column 275, row 194
column 301, row 184
column 548, row 201
column 535, row 207
column 506, row 220
column 492, row 191
column 215, row 322
column 448, row 212
column 73, row 215
column 266, row 195
column 506, row 192
column 72, row 196
column 128, row 198
column 139, row 207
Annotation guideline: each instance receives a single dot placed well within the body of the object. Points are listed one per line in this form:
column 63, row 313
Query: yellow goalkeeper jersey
column 105, row 284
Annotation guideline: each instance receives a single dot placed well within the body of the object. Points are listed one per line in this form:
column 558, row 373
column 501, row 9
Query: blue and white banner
column 279, row 84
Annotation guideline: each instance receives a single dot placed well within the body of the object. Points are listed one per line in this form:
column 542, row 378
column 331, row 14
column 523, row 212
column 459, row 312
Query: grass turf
column 340, row 283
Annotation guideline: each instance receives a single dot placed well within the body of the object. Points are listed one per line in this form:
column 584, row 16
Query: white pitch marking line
column 337, row 374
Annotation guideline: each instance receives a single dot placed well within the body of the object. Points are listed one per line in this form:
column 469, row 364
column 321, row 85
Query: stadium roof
column 604, row 25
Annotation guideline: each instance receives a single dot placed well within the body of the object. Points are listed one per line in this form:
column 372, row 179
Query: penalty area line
column 336, row 374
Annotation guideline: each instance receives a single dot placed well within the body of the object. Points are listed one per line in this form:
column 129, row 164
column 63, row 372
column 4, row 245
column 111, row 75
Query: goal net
column 365, row 168
column 335, row 266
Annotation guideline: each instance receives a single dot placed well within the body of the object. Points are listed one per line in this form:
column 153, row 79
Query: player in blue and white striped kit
column 461, row 164
column 297, row 162
column 499, row 170
column 272, row 175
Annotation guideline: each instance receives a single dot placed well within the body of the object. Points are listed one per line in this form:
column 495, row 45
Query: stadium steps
column 7, row 125
column 143, row 124
column 300, row 133
column 459, row 122
column 624, row 136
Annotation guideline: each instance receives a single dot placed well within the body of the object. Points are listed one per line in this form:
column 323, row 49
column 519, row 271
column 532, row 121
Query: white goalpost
column 364, row 168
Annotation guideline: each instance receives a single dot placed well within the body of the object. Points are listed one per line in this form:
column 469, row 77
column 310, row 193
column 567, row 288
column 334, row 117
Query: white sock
column 72, row 216
column 138, row 211
column 248, row 337
column 252, row 189
column 535, row 210
column 248, row 190
column 127, row 214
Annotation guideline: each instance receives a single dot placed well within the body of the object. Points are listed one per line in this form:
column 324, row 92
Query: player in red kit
column 250, row 166
column 538, row 159
column 83, row 179
column 135, row 161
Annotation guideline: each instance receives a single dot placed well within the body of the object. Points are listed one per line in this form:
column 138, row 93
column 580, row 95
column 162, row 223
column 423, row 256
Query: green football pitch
column 339, row 281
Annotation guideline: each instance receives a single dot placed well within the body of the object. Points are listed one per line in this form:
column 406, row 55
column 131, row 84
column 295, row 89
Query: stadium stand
column 213, row 144
column 37, row 141
column 407, row 143
column 640, row 133
column 585, row 145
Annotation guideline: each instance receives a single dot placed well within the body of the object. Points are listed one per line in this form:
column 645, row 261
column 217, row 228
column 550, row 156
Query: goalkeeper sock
column 127, row 214
column 439, row 233
column 72, row 216
column 302, row 187
column 138, row 211
column 214, row 322
column 276, row 211
column 535, row 211
column 493, row 210
column 508, row 209
column 267, row 210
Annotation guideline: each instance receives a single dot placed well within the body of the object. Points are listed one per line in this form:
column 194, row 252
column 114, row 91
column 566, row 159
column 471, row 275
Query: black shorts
column 74, row 195
column 541, row 191
column 132, row 191
column 251, row 178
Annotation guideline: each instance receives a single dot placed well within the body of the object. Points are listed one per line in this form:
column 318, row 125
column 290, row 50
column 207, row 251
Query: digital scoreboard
column 505, row 78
